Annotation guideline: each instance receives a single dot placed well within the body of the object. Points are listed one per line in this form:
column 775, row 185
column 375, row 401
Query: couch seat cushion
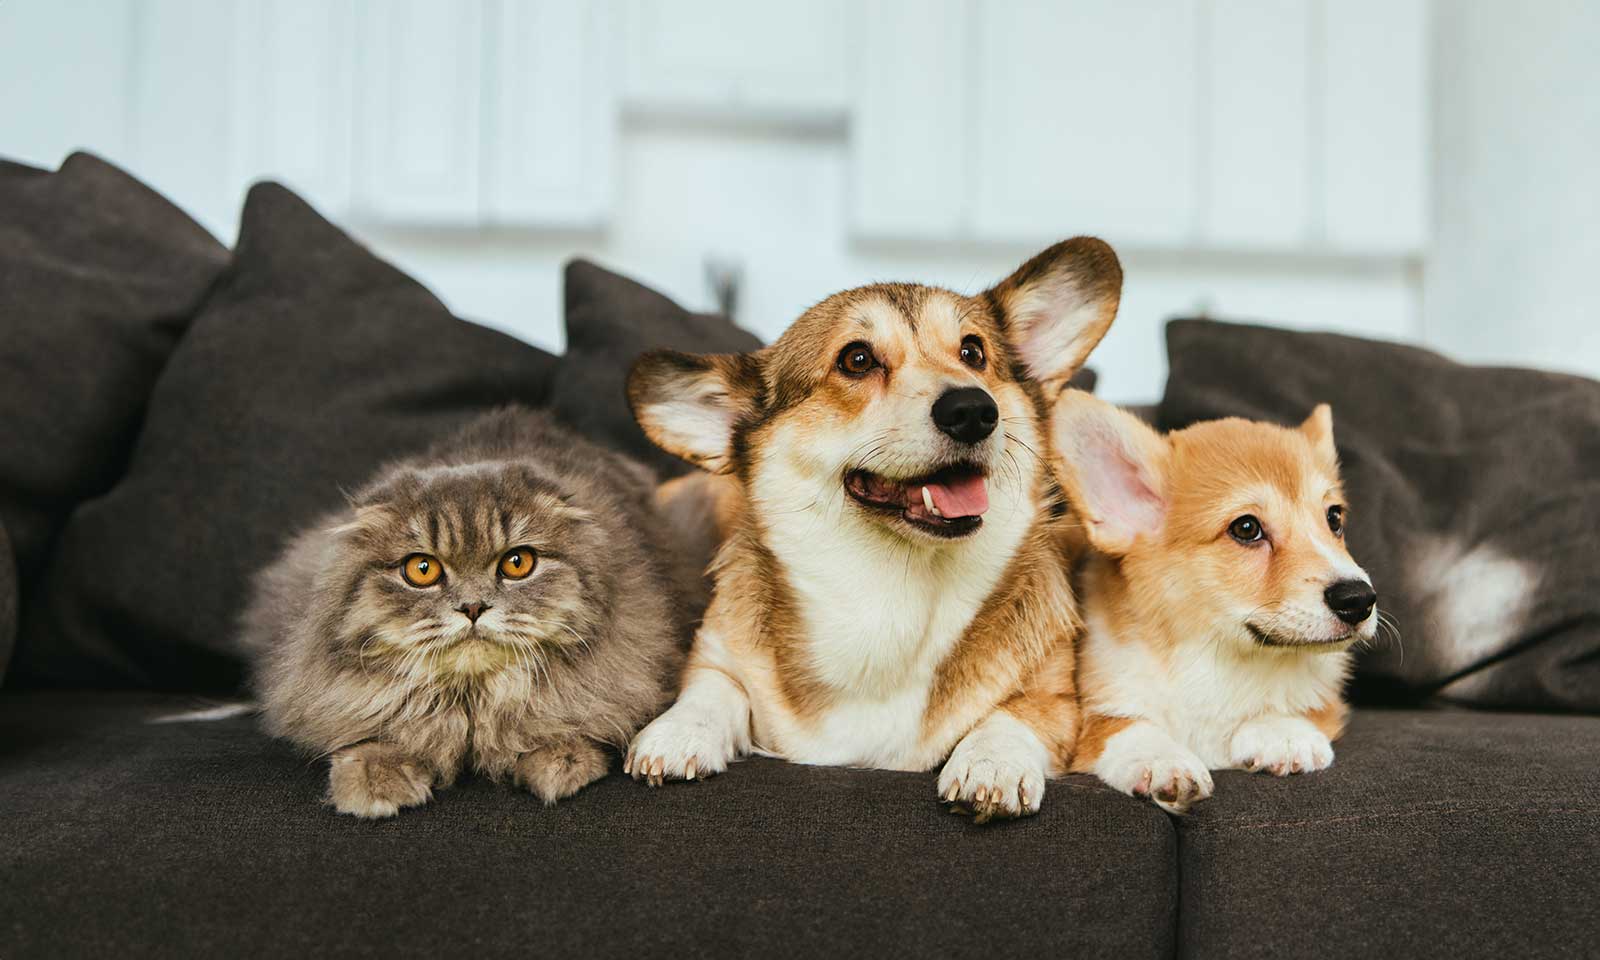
column 131, row 838
column 1443, row 833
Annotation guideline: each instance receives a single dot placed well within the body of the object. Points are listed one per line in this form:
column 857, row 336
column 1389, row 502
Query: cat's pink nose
column 473, row 610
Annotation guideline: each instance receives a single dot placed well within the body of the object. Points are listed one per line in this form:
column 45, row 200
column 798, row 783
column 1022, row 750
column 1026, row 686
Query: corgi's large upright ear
column 1058, row 305
column 1112, row 466
column 1318, row 428
column 689, row 404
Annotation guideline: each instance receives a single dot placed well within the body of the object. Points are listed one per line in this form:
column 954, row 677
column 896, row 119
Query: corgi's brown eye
column 857, row 360
column 972, row 353
column 1245, row 529
column 1336, row 520
column 421, row 570
column 518, row 563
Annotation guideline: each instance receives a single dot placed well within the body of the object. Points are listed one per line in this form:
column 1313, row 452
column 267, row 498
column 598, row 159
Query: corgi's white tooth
column 927, row 501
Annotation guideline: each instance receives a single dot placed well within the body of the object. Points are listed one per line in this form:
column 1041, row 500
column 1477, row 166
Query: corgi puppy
column 889, row 593
column 1220, row 605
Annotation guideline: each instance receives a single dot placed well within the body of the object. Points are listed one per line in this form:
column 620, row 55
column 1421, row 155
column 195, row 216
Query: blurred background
column 1426, row 172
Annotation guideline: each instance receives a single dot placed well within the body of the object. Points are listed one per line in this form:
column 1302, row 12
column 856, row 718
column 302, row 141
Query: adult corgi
column 891, row 593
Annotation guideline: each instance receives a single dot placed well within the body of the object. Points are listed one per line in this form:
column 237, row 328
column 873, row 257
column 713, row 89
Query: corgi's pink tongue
column 966, row 496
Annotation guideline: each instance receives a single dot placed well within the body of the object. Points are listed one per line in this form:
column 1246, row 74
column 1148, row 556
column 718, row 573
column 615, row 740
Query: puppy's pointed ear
column 689, row 404
column 1112, row 467
column 1058, row 305
column 1318, row 428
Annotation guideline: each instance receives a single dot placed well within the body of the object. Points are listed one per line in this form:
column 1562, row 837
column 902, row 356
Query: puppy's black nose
column 473, row 610
column 1351, row 600
column 966, row 414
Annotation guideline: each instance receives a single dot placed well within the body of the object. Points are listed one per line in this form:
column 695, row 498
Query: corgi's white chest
column 1199, row 694
column 879, row 618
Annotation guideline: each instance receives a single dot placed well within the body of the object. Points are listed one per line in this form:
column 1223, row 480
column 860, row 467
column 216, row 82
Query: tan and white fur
column 1221, row 603
column 891, row 593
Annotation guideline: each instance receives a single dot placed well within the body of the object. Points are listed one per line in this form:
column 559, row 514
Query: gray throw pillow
column 99, row 276
column 1474, row 494
column 311, row 364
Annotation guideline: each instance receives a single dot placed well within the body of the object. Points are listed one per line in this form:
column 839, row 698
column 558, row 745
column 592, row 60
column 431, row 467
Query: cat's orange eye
column 421, row 570
column 518, row 563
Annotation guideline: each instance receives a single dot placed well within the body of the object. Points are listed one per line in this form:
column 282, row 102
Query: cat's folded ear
column 365, row 518
column 690, row 404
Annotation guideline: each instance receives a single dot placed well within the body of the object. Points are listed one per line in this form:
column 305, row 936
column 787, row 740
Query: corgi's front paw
column 1143, row 761
column 1281, row 746
column 997, row 770
column 685, row 743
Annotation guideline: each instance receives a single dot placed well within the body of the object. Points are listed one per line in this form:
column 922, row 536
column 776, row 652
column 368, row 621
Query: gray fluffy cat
column 507, row 603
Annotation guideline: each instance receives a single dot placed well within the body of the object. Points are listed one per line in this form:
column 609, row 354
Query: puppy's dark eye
column 1336, row 520
column 857, row 360
column 1246, row 529
column 972, row 353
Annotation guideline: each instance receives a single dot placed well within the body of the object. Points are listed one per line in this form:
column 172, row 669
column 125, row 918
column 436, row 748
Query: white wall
column 1250, row 158
column 1513, row 274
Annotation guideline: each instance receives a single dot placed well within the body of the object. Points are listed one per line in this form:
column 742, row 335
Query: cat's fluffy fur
column 403, row 690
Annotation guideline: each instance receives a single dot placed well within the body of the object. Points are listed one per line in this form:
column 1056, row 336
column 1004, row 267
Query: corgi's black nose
column 966, row 414
column 1351, row 600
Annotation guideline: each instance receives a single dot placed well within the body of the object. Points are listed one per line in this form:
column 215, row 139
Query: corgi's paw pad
column 1282, row 747
column 1170, row 775
column 681, row 744
column 993, row 776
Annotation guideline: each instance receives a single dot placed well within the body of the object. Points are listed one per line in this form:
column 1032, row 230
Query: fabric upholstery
column 1474, row 494
column 1446, row 833
column 9, row 600
column 311, row 364
column 207, row 839
column 99, row 275
column 611, row 320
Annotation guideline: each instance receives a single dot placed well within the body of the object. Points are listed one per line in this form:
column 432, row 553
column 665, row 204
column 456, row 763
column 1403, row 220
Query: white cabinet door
column 1256, row 161
column 1085, row 120
column 764, row 59
column 420, row 81
column 1376, row 119
column 909, row 135
column 293, row 97
column 551, row 113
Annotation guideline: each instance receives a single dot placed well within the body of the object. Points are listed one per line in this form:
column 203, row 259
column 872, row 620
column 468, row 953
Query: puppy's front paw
column 1281, row 746
column 685, row 743
column 995, row 772
column 374, row 780
column 1144, row 762
column 560, row 769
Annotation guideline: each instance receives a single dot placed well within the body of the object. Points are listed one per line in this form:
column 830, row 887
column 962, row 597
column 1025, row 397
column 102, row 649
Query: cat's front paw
column 558, row 770
column 1143, row 761
column 685, row 743
column 1281, row 746
column 997, row 770
column 375, row 780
